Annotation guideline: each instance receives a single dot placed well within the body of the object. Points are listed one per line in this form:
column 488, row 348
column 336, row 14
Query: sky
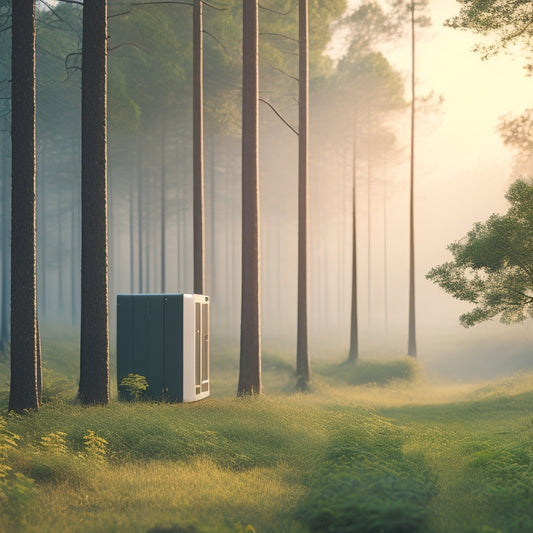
column 461, row 175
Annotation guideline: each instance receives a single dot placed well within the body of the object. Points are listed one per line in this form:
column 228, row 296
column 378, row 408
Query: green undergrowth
column 366, row 371
column 277, row 463
column 371, row 447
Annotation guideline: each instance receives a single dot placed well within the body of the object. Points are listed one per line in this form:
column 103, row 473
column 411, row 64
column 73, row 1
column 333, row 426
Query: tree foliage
column 493, row 265
column 509, row 22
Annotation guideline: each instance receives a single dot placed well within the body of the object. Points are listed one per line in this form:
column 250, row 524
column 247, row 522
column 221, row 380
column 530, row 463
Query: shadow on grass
column 366, row 372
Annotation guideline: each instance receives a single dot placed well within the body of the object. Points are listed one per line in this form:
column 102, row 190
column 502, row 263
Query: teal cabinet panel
column 165, row 338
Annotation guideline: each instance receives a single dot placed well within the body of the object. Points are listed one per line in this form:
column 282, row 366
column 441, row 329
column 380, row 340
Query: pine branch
column 279, row 115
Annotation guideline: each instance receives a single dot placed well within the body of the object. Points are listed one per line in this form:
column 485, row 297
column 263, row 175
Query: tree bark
column 140, row 225
column 94, row 357
column 24, row 339
column 250, row 345
column 4, row 309
column 131, row 225
column 353, row 355
column 163, row 204
column 198, row 151
column 411, row 345
column 302, row 352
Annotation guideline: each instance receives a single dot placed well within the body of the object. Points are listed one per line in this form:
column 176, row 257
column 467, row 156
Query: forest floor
column 370, row 448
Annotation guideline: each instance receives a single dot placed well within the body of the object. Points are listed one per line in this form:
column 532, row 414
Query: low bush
column 368, row 484
column 365, row 372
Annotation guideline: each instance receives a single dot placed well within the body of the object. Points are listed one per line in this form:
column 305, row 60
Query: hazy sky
column 462, row 173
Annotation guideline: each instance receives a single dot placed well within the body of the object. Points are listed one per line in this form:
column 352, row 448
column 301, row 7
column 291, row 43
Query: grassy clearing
column 372, row 448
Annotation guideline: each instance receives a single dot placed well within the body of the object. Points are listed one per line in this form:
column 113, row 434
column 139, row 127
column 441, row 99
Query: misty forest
column 266, row 266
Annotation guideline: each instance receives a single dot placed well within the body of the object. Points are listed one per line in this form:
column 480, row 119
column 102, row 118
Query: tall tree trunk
column 213, row 259
column 140, row 225
column 353, row 355
column 385, row 254
column 94, row 356
column 59, row 255
column 369, row 215
column 4, row 308
column 24, row 338
column 73, row 245
column 132, row 250
column 250, row 346
column 198, row 151
column 411, row 345
column 163, row 204
column 302, row 352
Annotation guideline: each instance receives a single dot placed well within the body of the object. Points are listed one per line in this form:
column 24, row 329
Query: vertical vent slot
column 205, row 347
column 198, row 343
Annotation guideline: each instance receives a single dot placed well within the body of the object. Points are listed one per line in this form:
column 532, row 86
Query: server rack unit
column 165, row 338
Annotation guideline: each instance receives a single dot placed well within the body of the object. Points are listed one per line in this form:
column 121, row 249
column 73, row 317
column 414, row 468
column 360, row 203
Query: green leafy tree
column 492, row 266
column 508, row 22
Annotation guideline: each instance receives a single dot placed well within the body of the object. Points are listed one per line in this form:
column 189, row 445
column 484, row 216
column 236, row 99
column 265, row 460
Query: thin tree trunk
column 163, row 204
column 198, row 151
column 213, row 261
column 411, row 345
column 140, row 224
column 59, row 255
column 94, row 356
column 132, row 250
column 73, row 242
column 385, row 254
column 353, row 355
column 148, row 244
column 24, row 353
column 250, row 345
column 302, row 352
column 42, row 229
column 4, row 310
column 369, row 209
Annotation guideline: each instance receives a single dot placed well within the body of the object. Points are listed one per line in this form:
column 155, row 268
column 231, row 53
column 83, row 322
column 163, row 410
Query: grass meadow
column 369, row 448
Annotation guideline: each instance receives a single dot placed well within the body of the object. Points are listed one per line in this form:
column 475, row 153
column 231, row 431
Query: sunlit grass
column 375, row 447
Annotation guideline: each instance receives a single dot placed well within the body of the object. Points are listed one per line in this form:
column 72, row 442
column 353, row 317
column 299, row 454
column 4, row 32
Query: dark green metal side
column 150, row 343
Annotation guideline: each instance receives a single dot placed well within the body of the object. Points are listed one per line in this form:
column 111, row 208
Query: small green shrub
column 95, row 446
column 55, row 443
column 133, row 386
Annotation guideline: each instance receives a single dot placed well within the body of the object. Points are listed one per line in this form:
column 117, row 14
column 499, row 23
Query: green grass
column 371, row 448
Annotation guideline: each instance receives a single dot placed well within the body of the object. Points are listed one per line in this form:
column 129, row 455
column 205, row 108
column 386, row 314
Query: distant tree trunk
column 73, row 244
column 41, row 193
column 94, row 357
column 385, row 253
column 140, row 225
column 24, row 392
column 75, row 237
column 148, row 243
column 369, row 215
column 198, row 151
column 353, row 355
column 4, row 308
column 250, row 346
column 132, row 250
column 59, row 254
column 163, row 203
column 302, row 352
column 213, row 260
column 411, row 346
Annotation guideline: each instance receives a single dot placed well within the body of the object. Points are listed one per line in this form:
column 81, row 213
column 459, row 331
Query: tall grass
column 372, row 448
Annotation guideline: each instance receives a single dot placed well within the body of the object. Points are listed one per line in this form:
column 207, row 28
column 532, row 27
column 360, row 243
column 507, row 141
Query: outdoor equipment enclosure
column 165, row 338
